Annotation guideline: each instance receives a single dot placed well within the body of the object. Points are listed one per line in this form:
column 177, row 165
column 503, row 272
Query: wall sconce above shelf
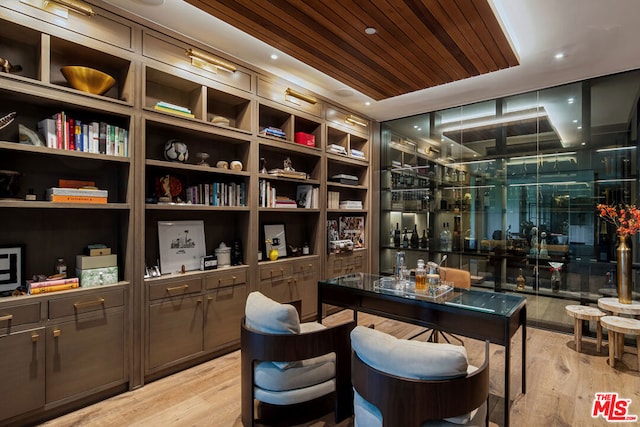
column 209, row 62
column 61, row 7
column 355, row 120
column 293, row 96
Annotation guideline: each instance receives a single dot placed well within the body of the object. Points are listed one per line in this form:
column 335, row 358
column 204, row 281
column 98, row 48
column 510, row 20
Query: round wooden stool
column 584, row 312
column 618, row 327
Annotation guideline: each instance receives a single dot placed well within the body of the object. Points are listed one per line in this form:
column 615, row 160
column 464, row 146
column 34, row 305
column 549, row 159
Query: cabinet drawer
column 225, row 278
column 173, row 52
column 277, row 271
column 103, row 26
column 19, row 315
column 174, row 288
column 305, row 268
column 85, row 302
column 277, row 92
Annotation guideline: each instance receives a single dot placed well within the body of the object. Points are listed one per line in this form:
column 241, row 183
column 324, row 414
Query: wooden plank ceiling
column 418, row 43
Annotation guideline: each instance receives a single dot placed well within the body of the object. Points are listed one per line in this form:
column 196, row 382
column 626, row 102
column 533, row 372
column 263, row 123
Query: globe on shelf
column 176, row 151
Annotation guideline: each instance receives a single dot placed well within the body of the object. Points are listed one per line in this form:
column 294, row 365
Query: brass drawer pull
column 176, row 288
column 35, row 337
column 6, row 317
column 56, row 333
column 99, row 301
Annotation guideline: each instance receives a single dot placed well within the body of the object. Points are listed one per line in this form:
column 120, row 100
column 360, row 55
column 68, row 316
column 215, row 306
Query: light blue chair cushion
column 409, row 359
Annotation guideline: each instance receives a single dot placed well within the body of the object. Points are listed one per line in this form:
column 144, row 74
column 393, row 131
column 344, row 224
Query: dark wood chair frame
column 406, row 402
column 257, row 347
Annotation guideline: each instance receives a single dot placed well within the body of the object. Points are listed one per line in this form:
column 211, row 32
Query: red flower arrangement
column 626, row 218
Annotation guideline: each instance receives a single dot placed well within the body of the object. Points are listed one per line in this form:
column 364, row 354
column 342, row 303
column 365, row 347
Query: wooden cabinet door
column 306, row 287
column 21, row 372
column 175, row 330
column 85, row 354
column 223, row 312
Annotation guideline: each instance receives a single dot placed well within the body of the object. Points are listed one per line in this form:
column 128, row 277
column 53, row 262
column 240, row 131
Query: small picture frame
column 272, row 231
column 12, row 267
column 181, row 243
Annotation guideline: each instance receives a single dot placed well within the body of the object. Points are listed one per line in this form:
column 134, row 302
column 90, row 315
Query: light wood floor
column 561, row 385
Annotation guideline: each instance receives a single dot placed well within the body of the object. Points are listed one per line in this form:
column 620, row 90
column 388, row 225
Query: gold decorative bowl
column 87, row 79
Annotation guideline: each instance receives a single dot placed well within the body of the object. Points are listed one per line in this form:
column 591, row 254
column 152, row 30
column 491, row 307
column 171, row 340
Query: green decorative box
column 97, row 276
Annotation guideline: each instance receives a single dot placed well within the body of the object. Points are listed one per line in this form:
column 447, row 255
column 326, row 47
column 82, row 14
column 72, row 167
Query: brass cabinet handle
column 175, row 288
column 56, row 333
column 99, row 301
column 35, row 337
column 209, row 298
column 6, row 317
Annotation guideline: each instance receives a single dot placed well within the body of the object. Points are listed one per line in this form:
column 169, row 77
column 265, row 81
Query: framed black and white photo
column 181, row 244
column 271, row 232
column 11, row 267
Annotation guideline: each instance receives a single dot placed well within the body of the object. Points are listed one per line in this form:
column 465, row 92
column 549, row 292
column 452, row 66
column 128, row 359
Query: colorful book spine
column 77, row 199
column 54, row 288
column 52, row 282
column 172, row 111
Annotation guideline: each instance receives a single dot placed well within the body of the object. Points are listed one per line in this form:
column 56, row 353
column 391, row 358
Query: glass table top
column 483, row 301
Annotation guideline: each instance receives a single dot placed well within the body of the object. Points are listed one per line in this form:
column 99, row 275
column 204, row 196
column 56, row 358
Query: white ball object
column 176, row 151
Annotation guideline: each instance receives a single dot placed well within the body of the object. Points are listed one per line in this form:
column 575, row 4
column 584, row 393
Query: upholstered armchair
column 460, row 278
column 291, row 365
column 404, row 383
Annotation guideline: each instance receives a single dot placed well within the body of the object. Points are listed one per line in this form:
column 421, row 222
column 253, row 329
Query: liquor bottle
column 455, row 240
column 396, row 236
column 405, row 239
column 415, row 240
column 424, row 242
column 445, row 238
column 421, row 277
column 603, row 243
column 520, row 282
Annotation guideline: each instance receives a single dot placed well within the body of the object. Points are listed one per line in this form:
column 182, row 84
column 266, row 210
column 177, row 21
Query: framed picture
column 272, row 231
column 11, row 267
column 352, row 228
column 181, row 244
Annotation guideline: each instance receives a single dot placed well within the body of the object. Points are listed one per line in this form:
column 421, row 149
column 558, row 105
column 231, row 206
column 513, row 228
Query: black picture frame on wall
column 12, row 267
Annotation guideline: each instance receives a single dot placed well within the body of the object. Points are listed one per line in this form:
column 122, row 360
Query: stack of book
column 285, row 202
column 351, row 204
column 357, row 154
column 344, row 178
column 52, row 285
column 173, row 109
column 273, row 131
column 337, row 149
column 77, row 195
column 97, row 270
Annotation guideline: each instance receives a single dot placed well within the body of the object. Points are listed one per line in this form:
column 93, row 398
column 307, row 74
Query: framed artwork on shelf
column 352, row 228
column 275, row 233
column 11, row 267
column 181, row 245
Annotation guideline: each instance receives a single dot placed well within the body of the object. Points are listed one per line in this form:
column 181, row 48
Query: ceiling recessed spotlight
column 579, row 127
column 583, row 143
column 559, row 55
column 367, row 103
column 415, row 126
column 274, row 56
column 571, row 100
column 370, row 30
column 575, row 120
column 419, row 129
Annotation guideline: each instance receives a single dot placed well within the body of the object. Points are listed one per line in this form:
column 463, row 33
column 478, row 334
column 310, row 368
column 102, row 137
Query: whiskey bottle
column 520, row 282
column 396, row 236
column 424, row 242
column 405, row 239
column 415, row 240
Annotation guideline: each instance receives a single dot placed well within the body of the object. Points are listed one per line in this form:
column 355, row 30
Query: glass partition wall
column 507, row 189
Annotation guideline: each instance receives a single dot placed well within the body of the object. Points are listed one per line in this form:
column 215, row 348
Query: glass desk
column 475, row 314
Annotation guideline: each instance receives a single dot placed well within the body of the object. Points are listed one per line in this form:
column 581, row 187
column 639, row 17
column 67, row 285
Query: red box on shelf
column 305, row 139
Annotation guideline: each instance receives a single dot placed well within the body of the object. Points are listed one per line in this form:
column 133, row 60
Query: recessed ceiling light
column 274, row 56
column 575, row 120
column 579, row 127
column 583, row 143
column 559, row 55
column 415, row 126
column 370, row 30
column 570, row 100
column 367, row 103
column 344, row 92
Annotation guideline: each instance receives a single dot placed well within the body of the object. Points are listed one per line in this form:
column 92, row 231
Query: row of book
column 66, row 133
column 53, row 285
column 273, row 131
column 217, row 194
column 306, row 196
